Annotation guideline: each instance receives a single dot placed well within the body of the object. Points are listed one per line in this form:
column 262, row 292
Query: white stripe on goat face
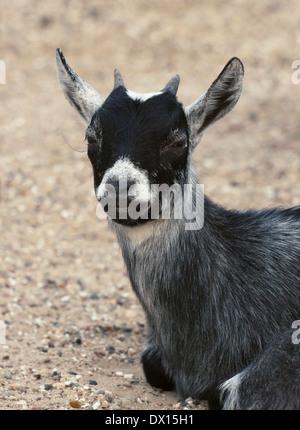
column 141, row 97
column 124, row 172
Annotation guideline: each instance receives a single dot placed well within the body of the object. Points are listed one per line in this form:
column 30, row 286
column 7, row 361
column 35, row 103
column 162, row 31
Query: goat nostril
column 121, row 187
column 104, row 195
column 130, row 184
column 115, row 185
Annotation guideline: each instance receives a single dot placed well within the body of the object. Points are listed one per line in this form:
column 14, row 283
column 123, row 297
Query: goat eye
column 92, row 139
column 180, row 144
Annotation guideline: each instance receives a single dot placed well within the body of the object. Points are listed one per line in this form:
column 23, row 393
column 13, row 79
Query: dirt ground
column 74, row 329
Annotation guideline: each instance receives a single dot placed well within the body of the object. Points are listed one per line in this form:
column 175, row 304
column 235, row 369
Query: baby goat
column 220, row 297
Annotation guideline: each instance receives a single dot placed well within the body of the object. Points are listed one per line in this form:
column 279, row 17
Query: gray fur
column 271, row 382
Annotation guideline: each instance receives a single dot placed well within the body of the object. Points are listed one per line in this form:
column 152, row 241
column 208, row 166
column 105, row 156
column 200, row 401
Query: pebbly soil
column 74, row 329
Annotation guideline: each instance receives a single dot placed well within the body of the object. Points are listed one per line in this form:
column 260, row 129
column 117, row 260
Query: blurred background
column 61, row 268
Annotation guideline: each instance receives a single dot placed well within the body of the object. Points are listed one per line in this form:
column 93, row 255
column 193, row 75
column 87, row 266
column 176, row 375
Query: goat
column 219, row 299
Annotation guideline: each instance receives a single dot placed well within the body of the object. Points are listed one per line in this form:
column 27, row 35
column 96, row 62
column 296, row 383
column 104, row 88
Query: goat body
column 219, row 300
column 215, row 297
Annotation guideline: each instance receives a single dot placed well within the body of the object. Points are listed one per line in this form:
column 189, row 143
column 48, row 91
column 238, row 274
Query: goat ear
column 79, row 93
column 218, row 100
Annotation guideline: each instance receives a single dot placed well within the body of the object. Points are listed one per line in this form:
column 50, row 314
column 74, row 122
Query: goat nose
column 123, row 191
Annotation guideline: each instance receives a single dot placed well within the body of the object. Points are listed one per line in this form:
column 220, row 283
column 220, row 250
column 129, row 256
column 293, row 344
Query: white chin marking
column 138, row 234
column 141, row 97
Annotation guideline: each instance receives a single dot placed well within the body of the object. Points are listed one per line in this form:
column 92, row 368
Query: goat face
column 132, row 144
column 136, row 141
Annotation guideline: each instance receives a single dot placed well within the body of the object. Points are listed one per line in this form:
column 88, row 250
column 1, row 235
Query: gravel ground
column 74, row 329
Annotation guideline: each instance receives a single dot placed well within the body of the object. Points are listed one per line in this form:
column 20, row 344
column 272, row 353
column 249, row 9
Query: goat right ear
column 79, row 93
column 218, row 100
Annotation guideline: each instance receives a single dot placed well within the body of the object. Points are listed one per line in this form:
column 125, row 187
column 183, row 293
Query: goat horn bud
column 172, row 85
column 118, row 79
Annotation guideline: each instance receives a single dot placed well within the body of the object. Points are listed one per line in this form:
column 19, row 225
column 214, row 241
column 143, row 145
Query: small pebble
column 8, row 375
column 105, row 404
column 75, row 404
column 96, row 405
column 86, row 387
column 22, row 403
column 14, row 387
column 48, row 387
column 60, row 385
column 128, row 376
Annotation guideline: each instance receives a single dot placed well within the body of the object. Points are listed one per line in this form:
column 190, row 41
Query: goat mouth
column 122, row 215
column 131, row 222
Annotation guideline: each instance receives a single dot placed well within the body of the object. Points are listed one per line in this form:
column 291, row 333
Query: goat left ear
column 79, row 93
column 218, row 100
